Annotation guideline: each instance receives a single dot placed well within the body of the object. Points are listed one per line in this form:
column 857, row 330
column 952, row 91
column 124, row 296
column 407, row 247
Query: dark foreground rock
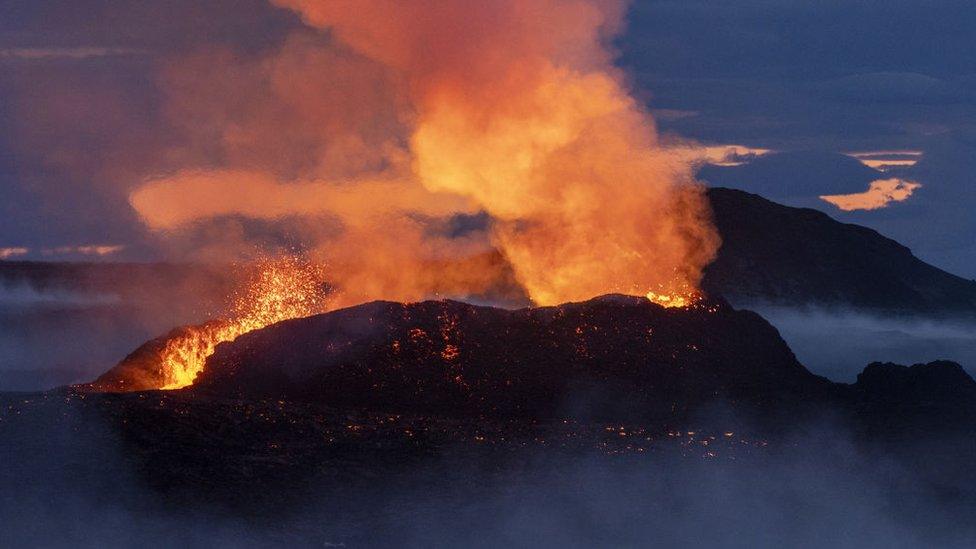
column 433, row 417
column 173, row 466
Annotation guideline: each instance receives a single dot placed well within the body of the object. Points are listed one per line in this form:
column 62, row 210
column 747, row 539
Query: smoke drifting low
column 80, row 483
column 839, row 343
column 390, row 117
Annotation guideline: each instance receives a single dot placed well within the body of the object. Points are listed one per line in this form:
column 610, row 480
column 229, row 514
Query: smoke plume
column 391, row 116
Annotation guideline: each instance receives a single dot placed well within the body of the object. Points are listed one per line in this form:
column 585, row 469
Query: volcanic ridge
column 612, row 358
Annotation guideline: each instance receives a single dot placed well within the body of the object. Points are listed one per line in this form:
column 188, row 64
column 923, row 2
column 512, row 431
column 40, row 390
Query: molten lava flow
column 279, row 290
column 674, row 300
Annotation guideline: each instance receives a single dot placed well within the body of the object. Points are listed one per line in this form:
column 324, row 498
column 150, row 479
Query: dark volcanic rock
column 780, row 254
column 938, row 396
column 612, row 357
column 941, row 382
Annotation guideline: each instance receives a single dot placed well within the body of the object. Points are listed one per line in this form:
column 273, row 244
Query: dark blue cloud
column 794, row 178
column 894, row 87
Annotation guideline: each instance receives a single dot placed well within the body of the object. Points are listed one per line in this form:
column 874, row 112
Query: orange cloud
column 385, row 113
column 7, row 253
column 879, row 195
column 886, row 160
column 171, row 202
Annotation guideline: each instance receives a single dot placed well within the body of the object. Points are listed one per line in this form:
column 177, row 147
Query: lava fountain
column 446, row 130
column 279, row 290
column 274, row 290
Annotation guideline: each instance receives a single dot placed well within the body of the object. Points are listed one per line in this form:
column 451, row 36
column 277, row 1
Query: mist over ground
column 49, row 339
column 73, row 479
column 60, row 334
column 838, row 343
column 53, row 336
column 76, row 484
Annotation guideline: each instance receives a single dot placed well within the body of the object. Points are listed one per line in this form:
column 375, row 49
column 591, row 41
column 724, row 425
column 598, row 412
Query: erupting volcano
column 479, row 273
column 272, row 291
column 452, row 131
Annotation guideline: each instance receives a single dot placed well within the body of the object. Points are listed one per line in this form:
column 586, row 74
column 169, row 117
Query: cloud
column 732, row 155
column 887, row 160
column 879, row 195
column 99, row 250
column 382, row 113
column 795, row 178
column 673, row 114
column 716, row 155
column 85, row 52
column 7, row 253
column 891, row 87
column 171, row 202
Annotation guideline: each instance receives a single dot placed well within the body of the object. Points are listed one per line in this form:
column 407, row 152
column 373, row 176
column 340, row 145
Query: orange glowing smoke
column 509, row 107
column 279, row 290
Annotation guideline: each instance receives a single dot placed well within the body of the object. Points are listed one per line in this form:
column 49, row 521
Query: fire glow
column 676, row 300
column 284, row 289
column 279, row 290
column 511, row 109
column 406, row 115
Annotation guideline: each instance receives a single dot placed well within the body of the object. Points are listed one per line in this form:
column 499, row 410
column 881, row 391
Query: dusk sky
column 803, row 85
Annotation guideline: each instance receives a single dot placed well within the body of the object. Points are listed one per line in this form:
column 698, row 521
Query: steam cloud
column 392, row 116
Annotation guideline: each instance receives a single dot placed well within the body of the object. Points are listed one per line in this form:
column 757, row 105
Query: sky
column 875, row 99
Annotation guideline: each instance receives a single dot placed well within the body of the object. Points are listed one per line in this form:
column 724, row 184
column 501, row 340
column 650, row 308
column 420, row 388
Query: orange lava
column 279, row 290
column 677, row 300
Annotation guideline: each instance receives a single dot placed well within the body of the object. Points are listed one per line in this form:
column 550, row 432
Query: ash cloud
column 514, row 110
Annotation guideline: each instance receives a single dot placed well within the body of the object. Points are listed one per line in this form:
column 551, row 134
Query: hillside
column 778, row 254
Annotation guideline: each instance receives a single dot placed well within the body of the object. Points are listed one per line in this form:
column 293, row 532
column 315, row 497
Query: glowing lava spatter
column 279, row 290
column 676, row 295
column 674, row 300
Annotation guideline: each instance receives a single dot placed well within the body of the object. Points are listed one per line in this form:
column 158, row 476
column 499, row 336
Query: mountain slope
column 775, row 253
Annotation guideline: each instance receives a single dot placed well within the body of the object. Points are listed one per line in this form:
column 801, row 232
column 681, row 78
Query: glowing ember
column 687, row 299
column 280, row 290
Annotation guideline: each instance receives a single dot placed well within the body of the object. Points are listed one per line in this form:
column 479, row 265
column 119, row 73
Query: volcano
column 610, row 357
column 363, row 397
column 613, row 356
